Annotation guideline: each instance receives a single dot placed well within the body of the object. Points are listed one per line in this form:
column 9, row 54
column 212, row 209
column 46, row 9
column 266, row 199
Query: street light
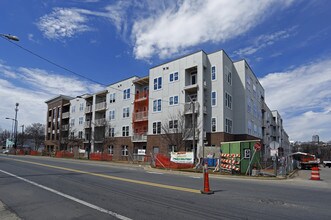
column 90, row 127
column 10, row 37
column 16, row 110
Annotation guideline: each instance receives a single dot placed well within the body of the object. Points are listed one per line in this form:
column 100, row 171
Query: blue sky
column 286, row 42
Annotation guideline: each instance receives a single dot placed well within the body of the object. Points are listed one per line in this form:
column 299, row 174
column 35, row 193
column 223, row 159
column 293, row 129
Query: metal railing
column 140, row 116
column 100, row 106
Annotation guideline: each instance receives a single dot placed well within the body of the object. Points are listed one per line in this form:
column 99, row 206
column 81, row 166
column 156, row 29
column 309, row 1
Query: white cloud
column 196, row 22
column 31, row 88
column 264, row 41
column 63, row 22
column 303, row 97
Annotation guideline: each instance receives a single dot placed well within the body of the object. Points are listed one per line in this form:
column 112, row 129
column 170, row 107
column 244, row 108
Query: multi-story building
column 207, row 97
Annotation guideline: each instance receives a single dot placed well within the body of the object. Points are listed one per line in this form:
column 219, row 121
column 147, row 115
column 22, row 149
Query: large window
column 80, row 120
column 173, row 124
column 111, row 132
column 111, row 149
column 125, row 151
column 125, row 131
column 213, row 98
column 126, row 112
column 228, row 100
column 158, row 83
column 228, row 125
column 112, row 115
column 112, row 97
column 157, row 127
column 157, row 105
column 126, row 94
column 73, row 109
column 72, row 122
column 173, row 77
column 81, row 107
column 80, row 134
column 229, row 76
column 213, row 124
column 173, row 100
column 213, row 73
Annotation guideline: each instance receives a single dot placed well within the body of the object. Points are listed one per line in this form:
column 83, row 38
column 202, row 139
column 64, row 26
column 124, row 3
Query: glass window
column 156, row 127
column 126, row 94
column 111, row 114
column 228, row 100
column 171, row 100
column 111, row 132
column 112, row 98
column 213, row 124
column 80, row 120
column 213, row 73
column 125, row 131
column 125, row 151
column 228, row 125
column 126, row 112
column 213, row 98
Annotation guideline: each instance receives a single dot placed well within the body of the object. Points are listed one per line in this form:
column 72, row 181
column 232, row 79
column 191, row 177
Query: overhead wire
column 77, row 74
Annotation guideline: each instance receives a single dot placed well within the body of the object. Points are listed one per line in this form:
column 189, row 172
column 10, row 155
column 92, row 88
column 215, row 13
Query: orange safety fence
column 64, row 154
column 34, row 153
column 162, row 161
column 101, row 156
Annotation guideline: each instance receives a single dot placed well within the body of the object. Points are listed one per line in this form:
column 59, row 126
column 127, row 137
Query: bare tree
column 36, row 132
column 176, row 131
column 109, row 138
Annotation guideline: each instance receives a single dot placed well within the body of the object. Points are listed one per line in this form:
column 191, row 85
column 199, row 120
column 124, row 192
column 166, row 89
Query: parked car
column 327, row 163
column 5, row 151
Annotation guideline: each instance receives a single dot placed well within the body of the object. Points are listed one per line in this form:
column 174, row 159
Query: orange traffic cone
column 315, row 174
column 206, row 188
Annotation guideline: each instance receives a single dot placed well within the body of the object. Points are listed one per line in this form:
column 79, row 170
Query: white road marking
column 118, row 216
column 196, row 177
column 155, row 172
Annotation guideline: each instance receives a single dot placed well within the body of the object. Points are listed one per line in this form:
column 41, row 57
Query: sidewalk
column 6, row 214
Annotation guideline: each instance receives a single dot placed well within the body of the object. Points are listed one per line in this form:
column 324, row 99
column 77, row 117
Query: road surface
column 49, row 188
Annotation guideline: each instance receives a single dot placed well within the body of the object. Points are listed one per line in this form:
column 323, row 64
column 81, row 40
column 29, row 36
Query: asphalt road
column 48, row 188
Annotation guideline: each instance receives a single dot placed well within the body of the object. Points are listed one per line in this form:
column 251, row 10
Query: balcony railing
column 88, row 109
column 87, row 124
column 101, row 106
column 139, row 137
column 100, row 122
column 188, row 108
column 141, row 96
column 65, row 115
column 140, row 116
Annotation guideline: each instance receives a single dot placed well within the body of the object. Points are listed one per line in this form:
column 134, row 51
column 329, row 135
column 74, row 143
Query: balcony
column 101, row 106
column 88, row 109
column 140, row 116
column 141, row 96
column 65, row 127
column 191, row 88
column 188, row 108
column 100, row 122
column 139, row 137
column 65, row 115
column 87, row 124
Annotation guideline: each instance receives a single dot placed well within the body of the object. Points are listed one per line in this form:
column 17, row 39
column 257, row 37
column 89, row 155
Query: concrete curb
column 6, row 213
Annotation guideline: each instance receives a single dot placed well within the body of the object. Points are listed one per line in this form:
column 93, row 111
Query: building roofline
column 59, row 97
column 178, row 58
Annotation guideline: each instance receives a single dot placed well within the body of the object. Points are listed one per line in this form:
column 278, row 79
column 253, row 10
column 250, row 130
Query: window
column 213, row 73
column 249, row 104
column 228, row 100
column 193, row 78
column 111, row 132
column 58, row 112
column 112, row 97
column 73, row 109
column 111, row 149
column 126, row 94
column 213, row 124
column 81, row 107
column 173, row 124
column 158, row 83
column 80, row 120
column 112, row 115
column 173, row 100
column 228, row 125
column 126, row 112
column 157, row 105
column 254, row 90
column 125, row 151
column 157, row 127
column 125, row 131
column 229, row 77
column 72, row 122
column 249, row 127
column 248, row 82
column 213, row 98
column 173, row 77
column 72, row 135
column 80, row 135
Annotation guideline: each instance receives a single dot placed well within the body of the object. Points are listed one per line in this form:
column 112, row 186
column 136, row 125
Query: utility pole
column 15, row 131
column 22, row 135
column 193, row 124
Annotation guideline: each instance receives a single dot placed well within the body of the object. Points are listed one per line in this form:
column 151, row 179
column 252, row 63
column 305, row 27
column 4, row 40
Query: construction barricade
column 101, row 156
column 315, row 174
column 64, row 154
column 162, row 161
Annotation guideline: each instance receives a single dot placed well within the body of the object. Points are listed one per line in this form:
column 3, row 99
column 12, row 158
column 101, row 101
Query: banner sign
column 182, row 157
column 141, row 152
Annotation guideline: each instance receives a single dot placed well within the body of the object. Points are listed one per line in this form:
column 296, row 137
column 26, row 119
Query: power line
column 75, row 73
